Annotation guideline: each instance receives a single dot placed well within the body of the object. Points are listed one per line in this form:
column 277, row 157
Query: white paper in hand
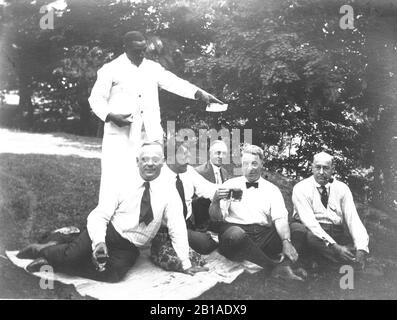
column 216, row 107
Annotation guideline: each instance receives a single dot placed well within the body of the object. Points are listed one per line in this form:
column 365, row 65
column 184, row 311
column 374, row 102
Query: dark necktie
column 146, row 214
column 251, row 184
column 181, row 191
column 220, row 172
column 324, row 196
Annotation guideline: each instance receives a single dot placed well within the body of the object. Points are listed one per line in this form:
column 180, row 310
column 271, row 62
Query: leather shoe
column 36, row 265
column 300, row 272
column 29, row 252
column 32, row 251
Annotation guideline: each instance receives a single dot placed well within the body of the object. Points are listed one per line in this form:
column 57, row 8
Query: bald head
column 322, row 167
column 323, row 156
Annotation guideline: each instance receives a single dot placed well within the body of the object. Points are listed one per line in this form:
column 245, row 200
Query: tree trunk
column 25, row 100
column 84, row 108
column 383, row 167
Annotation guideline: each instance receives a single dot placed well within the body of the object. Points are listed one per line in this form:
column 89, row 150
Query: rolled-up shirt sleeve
column 100, row 93
column 353, row 222
column 170, row 82
column 99, row 218
column 305, row 212
column 277, row 208
column 173, row 218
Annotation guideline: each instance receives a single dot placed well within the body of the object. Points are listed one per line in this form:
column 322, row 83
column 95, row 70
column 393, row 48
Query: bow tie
column 251, row 184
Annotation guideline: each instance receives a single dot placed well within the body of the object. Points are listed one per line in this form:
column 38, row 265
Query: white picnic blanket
column 145, row 281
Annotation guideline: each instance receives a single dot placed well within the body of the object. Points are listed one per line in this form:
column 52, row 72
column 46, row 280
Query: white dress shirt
column 262, row 205
column 340, row 210
column 217, row 173
column 124, row 212
column 193, row 183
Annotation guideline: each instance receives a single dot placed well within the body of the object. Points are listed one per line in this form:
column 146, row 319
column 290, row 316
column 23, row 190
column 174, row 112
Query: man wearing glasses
column 118, row 228
column 326, row 207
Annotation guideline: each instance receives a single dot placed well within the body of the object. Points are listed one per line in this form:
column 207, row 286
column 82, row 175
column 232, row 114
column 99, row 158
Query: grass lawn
column 39, row 193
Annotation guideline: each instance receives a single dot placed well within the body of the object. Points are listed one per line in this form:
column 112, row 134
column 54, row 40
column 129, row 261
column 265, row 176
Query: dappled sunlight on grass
column 50, row 143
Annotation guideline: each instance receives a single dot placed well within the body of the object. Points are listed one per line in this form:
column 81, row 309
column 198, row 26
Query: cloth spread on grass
column 145, row 281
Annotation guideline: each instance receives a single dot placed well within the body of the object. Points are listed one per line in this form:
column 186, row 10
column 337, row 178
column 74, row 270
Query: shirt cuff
column 105, row 115
column 186, row 264
column 363, row 248
column 328, row 242
column 95, row 243
column 278, row 218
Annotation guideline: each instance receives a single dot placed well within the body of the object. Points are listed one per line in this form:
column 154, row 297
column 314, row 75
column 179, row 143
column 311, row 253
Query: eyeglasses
column 146, row 160
column 325, row 168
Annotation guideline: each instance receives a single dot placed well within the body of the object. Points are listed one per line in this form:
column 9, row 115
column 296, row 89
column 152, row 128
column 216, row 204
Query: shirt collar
column 153, row 183
column 246, row 180
column 128, row 61
column 214, row 167
column 172, row 174
column 318, row 186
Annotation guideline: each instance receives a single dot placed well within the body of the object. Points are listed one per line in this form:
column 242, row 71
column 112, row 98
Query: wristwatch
column 286, row 239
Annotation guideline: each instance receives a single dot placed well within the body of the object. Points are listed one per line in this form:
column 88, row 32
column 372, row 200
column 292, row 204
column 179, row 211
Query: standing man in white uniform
column 125, row 97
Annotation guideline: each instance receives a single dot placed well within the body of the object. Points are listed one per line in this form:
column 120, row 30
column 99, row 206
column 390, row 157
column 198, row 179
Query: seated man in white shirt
column 256, row 228
column 326, row 207
column 117, row 228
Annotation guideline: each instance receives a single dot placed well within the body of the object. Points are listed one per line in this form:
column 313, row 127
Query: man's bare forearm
column 282, row 228
column 215, row 211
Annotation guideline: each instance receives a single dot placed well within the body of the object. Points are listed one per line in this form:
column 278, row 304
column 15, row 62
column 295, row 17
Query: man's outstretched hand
column 193, row 270
column 206, row 97
column 120, row 120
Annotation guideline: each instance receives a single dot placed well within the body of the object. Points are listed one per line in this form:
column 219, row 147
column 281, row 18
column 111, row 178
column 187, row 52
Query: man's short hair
column 323, row 156
column 216, row 142
column 253, row 149
column 132, row 36
column 151, row 143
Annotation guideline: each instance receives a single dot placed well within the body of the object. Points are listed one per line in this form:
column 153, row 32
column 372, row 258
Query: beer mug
column 101, row 260
column 235, row 194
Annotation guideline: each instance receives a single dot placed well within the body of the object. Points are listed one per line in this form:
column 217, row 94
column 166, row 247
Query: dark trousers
column 76, row 257
column 258, row 244
column 200, row 211
column 318, row 248
column 201, row 242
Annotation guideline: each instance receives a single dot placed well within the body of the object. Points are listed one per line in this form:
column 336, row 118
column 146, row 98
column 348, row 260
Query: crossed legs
column 258, row 244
